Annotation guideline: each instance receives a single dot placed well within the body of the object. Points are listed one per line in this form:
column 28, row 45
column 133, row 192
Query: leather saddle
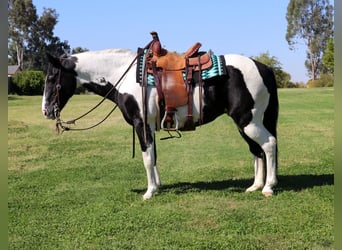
column 173, row 75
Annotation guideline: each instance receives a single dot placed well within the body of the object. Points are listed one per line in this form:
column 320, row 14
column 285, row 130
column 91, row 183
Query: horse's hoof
column 147, row 196
column 267, row 194
column 267, row 191
column 254, row 187
column 149, row 193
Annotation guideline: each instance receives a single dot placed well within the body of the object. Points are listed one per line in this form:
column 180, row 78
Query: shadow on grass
column 285, row 183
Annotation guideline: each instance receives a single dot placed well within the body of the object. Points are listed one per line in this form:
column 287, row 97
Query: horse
column 247, row 93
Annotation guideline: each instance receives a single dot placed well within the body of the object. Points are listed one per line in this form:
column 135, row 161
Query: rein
column 60, row 124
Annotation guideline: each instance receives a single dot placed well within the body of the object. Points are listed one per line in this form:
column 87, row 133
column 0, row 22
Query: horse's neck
column 109, row 65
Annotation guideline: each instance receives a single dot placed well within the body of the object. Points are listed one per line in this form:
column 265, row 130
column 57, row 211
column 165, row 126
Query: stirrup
column 170, row 125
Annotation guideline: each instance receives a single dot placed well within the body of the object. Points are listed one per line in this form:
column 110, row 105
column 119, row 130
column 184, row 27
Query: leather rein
column 63, row 125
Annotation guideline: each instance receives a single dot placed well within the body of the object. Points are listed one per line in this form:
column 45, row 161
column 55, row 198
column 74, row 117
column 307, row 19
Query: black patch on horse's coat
column 230, row 94
column 240, row 100
column 129, row 108
column 224, row 94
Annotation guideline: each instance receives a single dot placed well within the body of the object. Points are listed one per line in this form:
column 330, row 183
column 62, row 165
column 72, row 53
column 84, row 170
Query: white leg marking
column 271, row 177
column 157, row 176
column 259, row 175
column 259, row 134
column 152, row 186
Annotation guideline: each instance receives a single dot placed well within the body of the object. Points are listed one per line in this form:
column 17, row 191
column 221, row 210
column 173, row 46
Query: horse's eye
column 58, row 86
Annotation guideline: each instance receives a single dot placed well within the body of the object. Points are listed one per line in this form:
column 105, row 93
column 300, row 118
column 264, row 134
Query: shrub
column 29, row 82
column 325, row 80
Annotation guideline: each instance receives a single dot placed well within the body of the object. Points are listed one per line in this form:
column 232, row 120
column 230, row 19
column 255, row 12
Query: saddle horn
column 154, row 35
column 156, row 45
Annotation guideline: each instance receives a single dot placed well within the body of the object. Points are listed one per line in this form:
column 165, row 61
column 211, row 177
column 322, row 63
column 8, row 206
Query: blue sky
column 246, row 27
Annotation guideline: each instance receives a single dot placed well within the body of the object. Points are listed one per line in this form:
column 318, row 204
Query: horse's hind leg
column 259, row 163
column 259, row 175
column 258, row 133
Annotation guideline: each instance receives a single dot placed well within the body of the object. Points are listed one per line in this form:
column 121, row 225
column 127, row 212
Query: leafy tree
column 30, row 36
column 311, row 21
column 282, row 77
column 21, row 15
column 328, row 57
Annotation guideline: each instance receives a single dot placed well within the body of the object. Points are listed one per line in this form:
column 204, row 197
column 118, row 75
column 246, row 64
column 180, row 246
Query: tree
column 311, row 21
column 282, row 77
column 30, row 36
column 79, row 50
column 21, row 15
column 328, row 57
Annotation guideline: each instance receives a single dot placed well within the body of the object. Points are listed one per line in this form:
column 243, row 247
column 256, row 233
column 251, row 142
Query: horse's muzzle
column 48, row 114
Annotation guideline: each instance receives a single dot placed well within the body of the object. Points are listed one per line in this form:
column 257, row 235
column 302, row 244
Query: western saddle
column 173, row 76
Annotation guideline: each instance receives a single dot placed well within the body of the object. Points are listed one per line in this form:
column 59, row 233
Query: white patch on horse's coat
column 108, row 64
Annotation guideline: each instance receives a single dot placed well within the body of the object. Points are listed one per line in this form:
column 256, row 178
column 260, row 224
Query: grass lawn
column 82, row 190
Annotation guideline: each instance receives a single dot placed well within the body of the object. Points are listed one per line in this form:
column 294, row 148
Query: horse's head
column 60, row 84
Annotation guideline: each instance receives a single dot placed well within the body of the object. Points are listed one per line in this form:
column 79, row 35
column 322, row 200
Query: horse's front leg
column 147, row 143
column 153, row 180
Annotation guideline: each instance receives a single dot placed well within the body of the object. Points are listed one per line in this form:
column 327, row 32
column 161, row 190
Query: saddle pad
column 218, row 68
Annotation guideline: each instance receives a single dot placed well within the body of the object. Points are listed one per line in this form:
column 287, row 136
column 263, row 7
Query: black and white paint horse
column 248, row 94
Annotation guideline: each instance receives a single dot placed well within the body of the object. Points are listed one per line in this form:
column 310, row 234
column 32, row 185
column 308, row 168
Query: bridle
column 58, row 86
column 62, row 125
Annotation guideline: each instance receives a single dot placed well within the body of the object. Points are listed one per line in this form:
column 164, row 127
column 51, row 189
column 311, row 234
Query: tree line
column 310, row 21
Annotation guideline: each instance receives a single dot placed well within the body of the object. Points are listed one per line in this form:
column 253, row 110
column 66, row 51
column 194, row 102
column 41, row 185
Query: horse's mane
column 105, row 51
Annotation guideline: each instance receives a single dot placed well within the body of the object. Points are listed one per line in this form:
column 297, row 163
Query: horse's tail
column 271, row 113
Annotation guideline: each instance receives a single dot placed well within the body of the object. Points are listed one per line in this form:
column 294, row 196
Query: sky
column 246, row 27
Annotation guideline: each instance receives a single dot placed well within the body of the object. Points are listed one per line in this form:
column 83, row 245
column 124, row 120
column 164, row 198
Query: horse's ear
column 53, row 60
column 69, row 63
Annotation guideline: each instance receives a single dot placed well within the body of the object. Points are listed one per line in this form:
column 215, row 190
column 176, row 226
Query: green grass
column 82, row 190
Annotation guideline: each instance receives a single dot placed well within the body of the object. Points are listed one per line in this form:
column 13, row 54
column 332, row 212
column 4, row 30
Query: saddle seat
column 172, row 61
